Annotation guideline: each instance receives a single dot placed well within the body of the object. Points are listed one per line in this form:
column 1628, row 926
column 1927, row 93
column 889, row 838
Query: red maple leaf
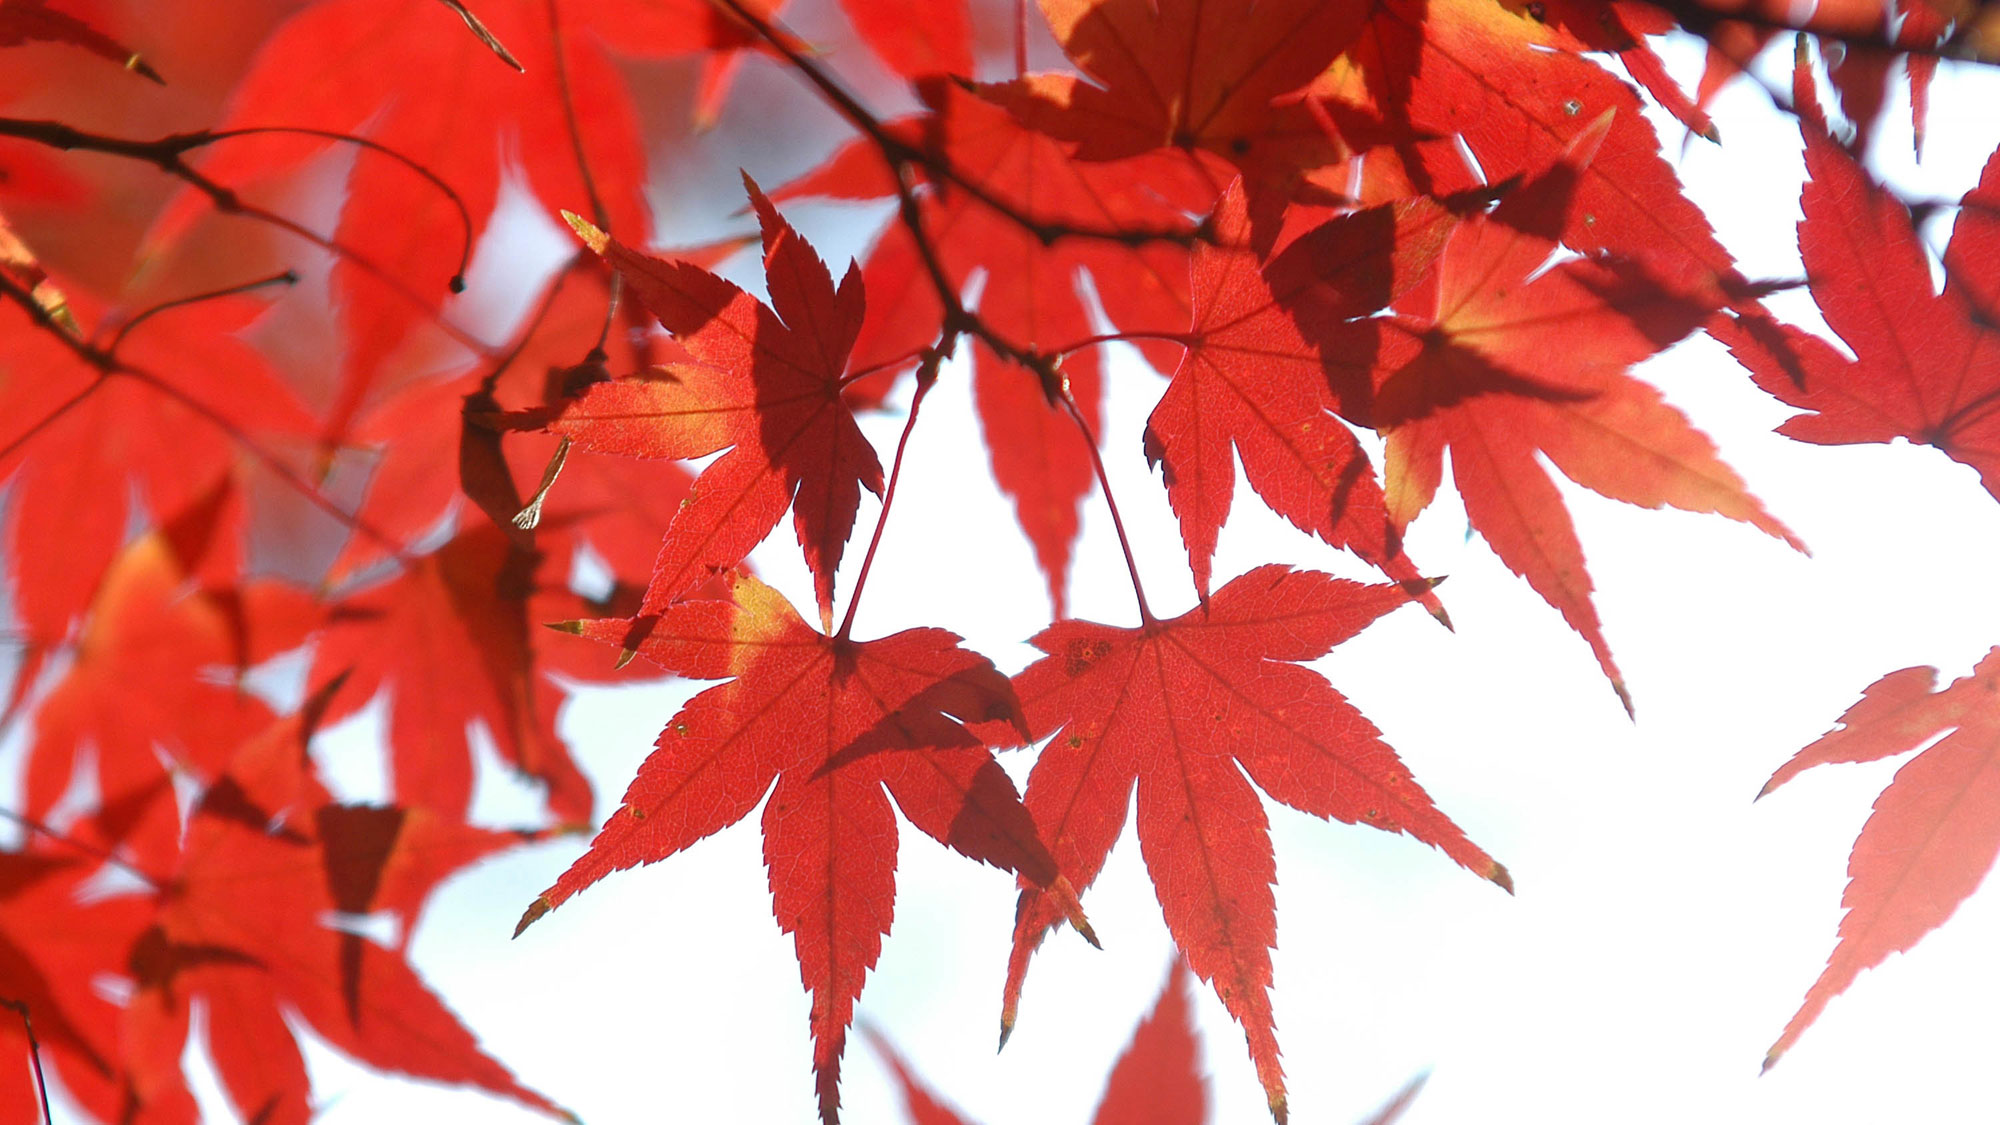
column 1926, row 363
column 765, row 384
column 451, row 640
column 1935, row 830
column 263, row 914
column 832, row 722
column 57, row 940
column 1440, row 71
column 434, row 442
column 1185, row 708
column 77, row 441
column 915, row 37
column 141, row 695
column 1033, row 291
column 1199, row 77
column 1252, row 384
column 1156, row 1081
column 1620, row 27
column 1503, row 363
column 348, row 66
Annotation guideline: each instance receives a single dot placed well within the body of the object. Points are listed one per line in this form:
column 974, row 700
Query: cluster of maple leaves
column 1441, row 221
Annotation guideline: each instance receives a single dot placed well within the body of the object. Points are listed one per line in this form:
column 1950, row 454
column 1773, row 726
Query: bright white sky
column 1665, row 927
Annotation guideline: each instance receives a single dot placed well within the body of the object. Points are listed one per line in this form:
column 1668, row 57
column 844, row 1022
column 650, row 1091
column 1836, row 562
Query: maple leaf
column 1435, row 70
column 1034, row 291
column 76, row 443
column 449, row 639
column 261, row 916
column 364, row 66
column 765, row 384
column 1935, row 830
column 1186, row 708
column 142, row 686
column 1156, row 1080
column 832, row 722
column 27, row 21
column 1619, row 27
column 1252, row 384
column 1500, row 362
column 1926, row 363
column 55, row 941
column 1193, row 76
column 915, row 37
column 434, row 442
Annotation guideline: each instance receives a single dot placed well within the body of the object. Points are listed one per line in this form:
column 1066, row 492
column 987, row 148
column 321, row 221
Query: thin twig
column 288, row 277
column 926, row 379
column 169, row 155
column 34, row 1054
column 904, row 157
column 1111, row 503
column 108, row 365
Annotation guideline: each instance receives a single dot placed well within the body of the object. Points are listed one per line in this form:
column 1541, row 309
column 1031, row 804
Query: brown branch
column 108, row 365
column 169, row 155
column 904, row 157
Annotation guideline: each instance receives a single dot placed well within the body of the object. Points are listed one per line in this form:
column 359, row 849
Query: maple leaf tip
column 575, row 628
column 592, row 237
column 530, row 916
column 1500, row 877
column 1006, row 1031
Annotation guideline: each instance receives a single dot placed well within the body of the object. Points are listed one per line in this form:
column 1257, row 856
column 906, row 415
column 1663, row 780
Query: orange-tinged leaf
column 142, row 687
column 822, row 726
column 766, row 385
column 1927, row 363
column 261, row 916
column 1185, row 709
column 1935, row 830
column 1503, row 364
column 1252, row 385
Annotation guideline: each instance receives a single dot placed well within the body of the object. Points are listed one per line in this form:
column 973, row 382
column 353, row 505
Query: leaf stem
column 926, row 379
column 288, row 277
column 1064, row 352
column 1110, row 503
column 34, row 1054
column 99, row 854
column 598, row 214
column 877, row 368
